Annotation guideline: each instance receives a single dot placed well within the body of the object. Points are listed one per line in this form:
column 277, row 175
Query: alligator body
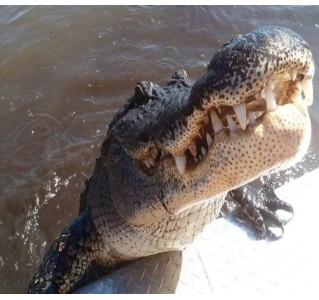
column 173, row 153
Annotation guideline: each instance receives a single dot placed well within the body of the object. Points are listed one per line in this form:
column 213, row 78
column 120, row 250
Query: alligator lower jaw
column 236, row 158
column 276, row 138
column 282, row 125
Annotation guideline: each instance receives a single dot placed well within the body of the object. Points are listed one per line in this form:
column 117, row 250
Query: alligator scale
column 174, row 155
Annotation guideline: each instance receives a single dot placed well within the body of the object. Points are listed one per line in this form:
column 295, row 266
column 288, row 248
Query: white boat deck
column 224, row 259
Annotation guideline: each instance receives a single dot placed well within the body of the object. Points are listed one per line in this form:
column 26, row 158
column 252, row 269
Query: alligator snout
column 249, row 76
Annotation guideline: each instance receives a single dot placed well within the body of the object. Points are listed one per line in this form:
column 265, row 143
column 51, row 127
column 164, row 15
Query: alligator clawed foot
column 255, row 210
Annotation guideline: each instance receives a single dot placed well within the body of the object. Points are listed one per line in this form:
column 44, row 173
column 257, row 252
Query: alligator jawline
column 243, row 117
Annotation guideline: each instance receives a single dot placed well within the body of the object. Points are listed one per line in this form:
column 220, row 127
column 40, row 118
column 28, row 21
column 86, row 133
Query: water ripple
column 11, row 14
column 102, row 39
column 169, row 53
column 88, row 68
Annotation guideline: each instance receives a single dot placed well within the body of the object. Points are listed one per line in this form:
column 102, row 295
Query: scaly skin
column 172, row 154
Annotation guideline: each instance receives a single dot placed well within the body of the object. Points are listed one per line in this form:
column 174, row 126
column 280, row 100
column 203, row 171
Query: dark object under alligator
column 176, row 157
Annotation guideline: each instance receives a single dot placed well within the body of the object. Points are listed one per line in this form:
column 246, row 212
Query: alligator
column 175, row 155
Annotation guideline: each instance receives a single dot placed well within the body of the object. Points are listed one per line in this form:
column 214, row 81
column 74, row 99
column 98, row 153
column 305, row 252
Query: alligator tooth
column 203, row 151
column 195, row 160
column 270, row 99
column 147, row 163
column 302, row 105
column 154, row 154
column 152, row 161
column 294, row 74
column 231, row 124
column 240, row 111
column 209, row 140
column 216, row 122
column 271, row 84
column 311, row 71
column 257, row 114
column 252, row 120
column 192, row 149
column 163, row 153
column 180, row 161
column 307, row 89
column 286, row 75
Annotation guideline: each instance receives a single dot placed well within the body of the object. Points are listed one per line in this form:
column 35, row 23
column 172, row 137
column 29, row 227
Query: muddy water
column 64, row 71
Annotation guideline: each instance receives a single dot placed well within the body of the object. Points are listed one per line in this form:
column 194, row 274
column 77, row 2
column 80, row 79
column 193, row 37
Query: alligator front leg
column 256, row 208
column 68, row 258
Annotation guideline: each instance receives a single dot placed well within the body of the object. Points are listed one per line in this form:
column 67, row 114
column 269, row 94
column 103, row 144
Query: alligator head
column 183, row 143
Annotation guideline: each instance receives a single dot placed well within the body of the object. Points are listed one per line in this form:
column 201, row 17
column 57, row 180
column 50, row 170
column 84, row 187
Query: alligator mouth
column 290, row 86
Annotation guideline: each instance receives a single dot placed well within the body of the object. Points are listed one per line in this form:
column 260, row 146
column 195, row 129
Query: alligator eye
column 143, row 92
column 139, row 97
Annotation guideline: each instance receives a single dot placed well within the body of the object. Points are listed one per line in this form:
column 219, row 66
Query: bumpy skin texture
column 172, row 154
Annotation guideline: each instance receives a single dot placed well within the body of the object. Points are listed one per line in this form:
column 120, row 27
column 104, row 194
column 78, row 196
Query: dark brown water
column 64, row 71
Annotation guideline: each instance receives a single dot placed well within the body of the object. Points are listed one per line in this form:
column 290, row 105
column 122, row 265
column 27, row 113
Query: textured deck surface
column 225, row 260
column 229, row 261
